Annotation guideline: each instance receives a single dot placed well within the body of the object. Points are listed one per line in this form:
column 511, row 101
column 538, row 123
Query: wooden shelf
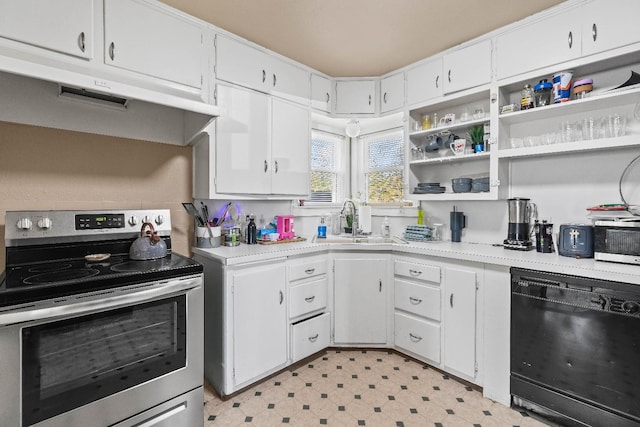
column 452, row 158
column 424, row 134
column 571, row 147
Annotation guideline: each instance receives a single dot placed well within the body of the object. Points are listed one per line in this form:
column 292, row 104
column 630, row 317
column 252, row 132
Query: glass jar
column 426, row 122
column 582, row 88
column 526, row 101
column 542, row 93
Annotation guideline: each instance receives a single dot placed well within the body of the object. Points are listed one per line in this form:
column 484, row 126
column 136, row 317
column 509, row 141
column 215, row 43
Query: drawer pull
column 310, row 270
column 415, row 301
column 415, row 273
column 314, row 338
column 415, row 338
column 310, row 299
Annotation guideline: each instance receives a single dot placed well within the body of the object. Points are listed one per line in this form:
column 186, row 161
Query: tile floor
column 360, row 388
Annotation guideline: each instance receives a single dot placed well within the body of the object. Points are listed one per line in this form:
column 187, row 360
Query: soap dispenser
column 386, row 228
column 322, row 229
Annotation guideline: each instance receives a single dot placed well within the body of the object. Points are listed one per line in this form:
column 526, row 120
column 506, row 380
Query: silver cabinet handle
column 570, row 39
column 275, row 166
column 112, row 51
column 328, row 97
column 415, row 338
column 380, row 285
column 594, row 31
column 384, row 97
column 310, row 270
column 275, row 79
column 369, row 99
column 449, row 76
column 81, row 44
column 415, row 272
column 264, row 76
column 281, row 297
column 451, row 300
column 314, row 338
column 414, row 300
column 310, row 299
column 437, row 81
column 266, row 166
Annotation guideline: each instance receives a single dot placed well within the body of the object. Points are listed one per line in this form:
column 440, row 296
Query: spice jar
column 582, row 88
column 542, row 93
column 526, row 100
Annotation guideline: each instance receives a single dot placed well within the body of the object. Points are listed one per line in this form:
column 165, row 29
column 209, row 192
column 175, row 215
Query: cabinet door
column 540, row 44
column 392, row 92
column 460, row 321
column 468, row 67
column 161, row 45
column 259, row 321
column 290, row 165
column 63, row 26
column 320, row 93
column 288, row 81
column 355, row 96
column 360, row 301
column 241, row 64
column 243, row 142
column 609, row 24
column 424, row 82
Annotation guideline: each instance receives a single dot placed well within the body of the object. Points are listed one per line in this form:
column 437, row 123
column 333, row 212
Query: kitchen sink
column 358, row 239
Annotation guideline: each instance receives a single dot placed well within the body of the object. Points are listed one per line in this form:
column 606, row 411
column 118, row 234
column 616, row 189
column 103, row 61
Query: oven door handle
column 104, row 300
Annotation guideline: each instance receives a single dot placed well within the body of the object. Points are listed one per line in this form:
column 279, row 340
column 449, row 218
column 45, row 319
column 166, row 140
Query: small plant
column 476, row 134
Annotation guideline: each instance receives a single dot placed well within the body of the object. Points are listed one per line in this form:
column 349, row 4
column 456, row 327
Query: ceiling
column 359, row 38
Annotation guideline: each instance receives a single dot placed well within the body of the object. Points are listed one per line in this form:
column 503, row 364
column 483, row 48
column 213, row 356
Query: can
column 562, row 86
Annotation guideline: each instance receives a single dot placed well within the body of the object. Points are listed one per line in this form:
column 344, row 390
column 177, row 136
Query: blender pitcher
column 521, row 214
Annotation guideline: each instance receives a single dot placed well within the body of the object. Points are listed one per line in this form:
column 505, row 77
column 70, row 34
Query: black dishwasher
column 575, row 348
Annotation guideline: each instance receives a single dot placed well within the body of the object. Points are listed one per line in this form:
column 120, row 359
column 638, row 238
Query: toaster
column 576, row 240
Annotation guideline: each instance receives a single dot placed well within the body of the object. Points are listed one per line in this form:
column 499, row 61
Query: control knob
column 24, row 224
column 133, row 221
column 159, row 219
column 630, row 307
column 44, row 223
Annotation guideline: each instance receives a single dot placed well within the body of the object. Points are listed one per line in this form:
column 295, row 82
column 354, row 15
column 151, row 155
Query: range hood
column 50, row 96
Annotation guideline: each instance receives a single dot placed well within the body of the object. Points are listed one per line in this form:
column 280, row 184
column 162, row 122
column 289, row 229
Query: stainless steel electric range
column 91, row 337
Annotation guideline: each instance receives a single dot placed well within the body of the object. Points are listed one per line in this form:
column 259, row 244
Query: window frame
column 342, row 166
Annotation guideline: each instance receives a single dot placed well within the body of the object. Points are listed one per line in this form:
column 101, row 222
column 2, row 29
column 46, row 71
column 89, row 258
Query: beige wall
column 50, row 169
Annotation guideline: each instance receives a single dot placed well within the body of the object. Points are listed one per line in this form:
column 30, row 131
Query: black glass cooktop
column 44, row 277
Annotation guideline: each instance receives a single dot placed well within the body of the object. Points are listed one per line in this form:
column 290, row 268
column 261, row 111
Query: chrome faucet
column 351, row 208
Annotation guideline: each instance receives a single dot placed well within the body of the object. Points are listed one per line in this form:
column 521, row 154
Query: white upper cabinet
column 608, row 24
column 355, row 96
column 244, row 65
column 321, row 93
column 468, row 67
column 64, row 26
column 424, row 82
column 161, row 44
column 539, row 44
column 392, row 92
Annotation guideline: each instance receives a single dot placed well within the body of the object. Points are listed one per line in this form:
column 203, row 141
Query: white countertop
column 476, row 252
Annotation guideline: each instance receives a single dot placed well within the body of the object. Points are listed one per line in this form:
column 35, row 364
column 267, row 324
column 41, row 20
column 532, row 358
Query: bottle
column 322, row 229
column 420, row 216
column 526, row 101
column 252, row 232
column 386, row 229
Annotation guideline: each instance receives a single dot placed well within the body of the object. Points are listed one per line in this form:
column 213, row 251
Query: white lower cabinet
column 360, row 289
column 460, row 321
column 310, row 336
column 417, row 336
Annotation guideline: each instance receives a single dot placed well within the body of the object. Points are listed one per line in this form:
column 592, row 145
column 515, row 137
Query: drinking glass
column 617, row 125
column 591, row 128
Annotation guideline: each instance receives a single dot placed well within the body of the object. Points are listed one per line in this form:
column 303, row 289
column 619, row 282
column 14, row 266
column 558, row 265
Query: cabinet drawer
column 417, row 299
column 417, row 271
column 310, row 336
column 420, row 337
column 307, row 297
column 308, row 268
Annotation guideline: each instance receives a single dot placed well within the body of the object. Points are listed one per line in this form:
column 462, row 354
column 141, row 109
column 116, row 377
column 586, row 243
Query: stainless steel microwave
column 617, row 241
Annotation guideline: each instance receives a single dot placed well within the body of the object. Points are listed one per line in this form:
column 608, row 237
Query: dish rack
column 418, row 233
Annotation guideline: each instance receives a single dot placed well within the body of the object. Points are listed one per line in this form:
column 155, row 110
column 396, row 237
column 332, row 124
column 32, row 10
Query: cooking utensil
column 224, row 214
column 148, row 246
column 205, row 211
column 191, row 209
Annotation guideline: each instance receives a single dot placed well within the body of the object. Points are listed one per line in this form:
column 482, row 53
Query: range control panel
column 97, row 221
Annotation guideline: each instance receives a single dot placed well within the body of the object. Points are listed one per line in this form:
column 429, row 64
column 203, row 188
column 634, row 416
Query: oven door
column 98, row 359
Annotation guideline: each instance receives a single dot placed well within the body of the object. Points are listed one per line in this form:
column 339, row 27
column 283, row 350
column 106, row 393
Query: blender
column 521, row 212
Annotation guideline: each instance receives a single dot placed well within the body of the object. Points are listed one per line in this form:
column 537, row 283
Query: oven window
column 69, row 363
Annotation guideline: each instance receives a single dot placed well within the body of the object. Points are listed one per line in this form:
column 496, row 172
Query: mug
column 447, row 120
column 458, row 146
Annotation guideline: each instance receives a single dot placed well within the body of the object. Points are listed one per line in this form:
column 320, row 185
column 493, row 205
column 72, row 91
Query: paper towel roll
column 364, row 218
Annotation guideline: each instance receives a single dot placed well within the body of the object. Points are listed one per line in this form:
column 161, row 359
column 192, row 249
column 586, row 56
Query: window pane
column 325, row 178
column 386, row 153
column 384, row 187
column 323, row 186
column 322, row 154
